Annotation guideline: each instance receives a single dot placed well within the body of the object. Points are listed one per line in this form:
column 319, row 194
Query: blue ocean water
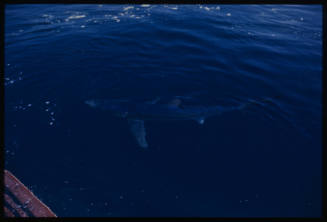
column 263, row 160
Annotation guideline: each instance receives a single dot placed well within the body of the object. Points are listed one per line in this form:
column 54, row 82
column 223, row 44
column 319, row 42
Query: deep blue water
column 263, row 160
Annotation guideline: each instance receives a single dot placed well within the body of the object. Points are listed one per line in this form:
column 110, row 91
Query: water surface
column 264, row 160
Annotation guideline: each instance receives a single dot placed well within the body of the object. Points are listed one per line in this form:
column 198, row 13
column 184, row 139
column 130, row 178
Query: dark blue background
column 264, row 160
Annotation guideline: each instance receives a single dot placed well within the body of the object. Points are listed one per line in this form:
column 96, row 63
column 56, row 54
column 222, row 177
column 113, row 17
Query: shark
column 138, row 112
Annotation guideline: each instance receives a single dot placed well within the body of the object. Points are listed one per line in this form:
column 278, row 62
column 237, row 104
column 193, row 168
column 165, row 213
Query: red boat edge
column 19, row 201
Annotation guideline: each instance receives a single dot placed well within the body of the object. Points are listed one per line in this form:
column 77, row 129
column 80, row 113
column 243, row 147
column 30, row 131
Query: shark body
column 137, row 113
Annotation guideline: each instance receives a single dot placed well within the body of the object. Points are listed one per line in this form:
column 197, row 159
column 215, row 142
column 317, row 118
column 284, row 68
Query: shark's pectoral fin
column 138, row 130
column 200, row 120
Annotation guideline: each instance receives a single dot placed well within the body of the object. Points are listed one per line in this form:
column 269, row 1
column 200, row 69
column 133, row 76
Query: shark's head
column 116, row 107
column 92, row 103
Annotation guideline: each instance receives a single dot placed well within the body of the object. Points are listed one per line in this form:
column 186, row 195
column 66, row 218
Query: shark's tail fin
column 254, row 102
column 274, row 110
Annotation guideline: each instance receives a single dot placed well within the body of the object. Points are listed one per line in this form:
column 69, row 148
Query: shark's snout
column 91, row 103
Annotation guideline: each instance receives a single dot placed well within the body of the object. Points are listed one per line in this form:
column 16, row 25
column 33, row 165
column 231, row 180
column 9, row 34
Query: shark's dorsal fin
column 157, row 99
column 200, row 120
column 175, row 102
column 138, row 130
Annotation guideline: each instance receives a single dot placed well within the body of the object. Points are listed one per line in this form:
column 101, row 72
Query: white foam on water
column 75, row 17
column 145, row 5
column 128, row 7
column 115, row 18
column 45, row 15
